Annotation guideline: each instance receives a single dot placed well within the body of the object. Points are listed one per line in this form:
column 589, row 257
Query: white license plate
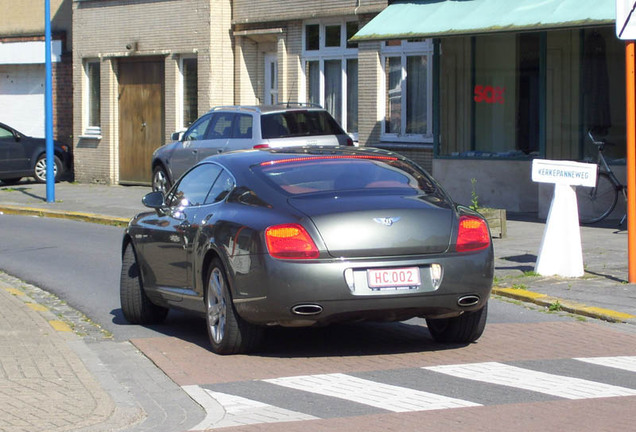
column 403, row 278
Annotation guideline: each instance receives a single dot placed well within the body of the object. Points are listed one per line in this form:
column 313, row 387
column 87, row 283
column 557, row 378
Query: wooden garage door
column 141, row 117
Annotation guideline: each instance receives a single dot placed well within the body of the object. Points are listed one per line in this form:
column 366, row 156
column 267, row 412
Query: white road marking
column 384, row 396
column 555, row 385
column 627, row 363
column 225, row 410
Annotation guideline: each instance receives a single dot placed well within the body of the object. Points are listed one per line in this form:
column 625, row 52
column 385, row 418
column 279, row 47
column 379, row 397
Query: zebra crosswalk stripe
column 237, row 411
column 384, row 396
column 627, row 363
column 512, row 376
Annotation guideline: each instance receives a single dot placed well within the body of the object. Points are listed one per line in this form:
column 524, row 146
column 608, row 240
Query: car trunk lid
column 358, row 225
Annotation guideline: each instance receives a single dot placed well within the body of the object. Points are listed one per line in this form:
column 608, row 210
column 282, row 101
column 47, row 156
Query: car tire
column 11, row 181
column 160, row 180
column 39, row 169
column 466, row 328
column 135, row 304
column 228, row 332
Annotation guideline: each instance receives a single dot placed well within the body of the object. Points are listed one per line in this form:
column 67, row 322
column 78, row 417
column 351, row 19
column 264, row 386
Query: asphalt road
column 80, row 263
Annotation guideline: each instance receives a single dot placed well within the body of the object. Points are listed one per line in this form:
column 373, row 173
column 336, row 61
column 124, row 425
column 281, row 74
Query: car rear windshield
column 336, row 173
column 298, row 123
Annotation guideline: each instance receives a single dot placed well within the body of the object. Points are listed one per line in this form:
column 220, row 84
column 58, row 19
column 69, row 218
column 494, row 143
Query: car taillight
column 473, row 234
column 261, row 146
column 290, row 241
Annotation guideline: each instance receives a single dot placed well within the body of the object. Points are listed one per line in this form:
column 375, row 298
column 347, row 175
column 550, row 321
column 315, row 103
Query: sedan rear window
column 341, row 173
column 298, row 123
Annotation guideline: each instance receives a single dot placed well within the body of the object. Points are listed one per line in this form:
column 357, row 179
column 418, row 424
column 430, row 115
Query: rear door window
column 221, row 126
column 243, row 126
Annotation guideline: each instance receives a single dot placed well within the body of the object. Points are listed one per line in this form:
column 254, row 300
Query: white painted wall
column 22, row 97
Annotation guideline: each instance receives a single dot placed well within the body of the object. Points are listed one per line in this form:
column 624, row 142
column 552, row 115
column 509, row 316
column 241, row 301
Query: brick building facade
column 113, row 33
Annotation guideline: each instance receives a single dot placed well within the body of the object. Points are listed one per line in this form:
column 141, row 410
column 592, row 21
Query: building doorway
column 141, row 117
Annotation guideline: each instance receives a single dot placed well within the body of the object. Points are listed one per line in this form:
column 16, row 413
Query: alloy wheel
column 160, row 181
column 216, row 306
column 40, row 169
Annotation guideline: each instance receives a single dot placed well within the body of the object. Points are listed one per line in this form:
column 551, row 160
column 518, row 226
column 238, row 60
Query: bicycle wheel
column 596, row 203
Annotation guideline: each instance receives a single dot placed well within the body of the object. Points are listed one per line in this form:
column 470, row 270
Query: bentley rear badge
column 387, row 221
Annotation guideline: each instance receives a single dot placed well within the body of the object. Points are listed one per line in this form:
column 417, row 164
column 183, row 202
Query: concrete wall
column 500, row 184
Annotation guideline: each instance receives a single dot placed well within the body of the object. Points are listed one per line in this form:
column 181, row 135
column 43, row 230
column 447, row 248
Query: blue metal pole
column 48, row 106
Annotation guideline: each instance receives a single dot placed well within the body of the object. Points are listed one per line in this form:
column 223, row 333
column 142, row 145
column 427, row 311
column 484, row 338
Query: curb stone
column 564, row 305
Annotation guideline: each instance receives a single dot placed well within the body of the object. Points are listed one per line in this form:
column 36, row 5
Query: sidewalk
column 37, row 351
column 51, row 378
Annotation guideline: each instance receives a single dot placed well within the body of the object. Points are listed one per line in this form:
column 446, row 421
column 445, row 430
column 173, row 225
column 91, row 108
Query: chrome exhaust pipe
column 468, row 300
column 306, row 309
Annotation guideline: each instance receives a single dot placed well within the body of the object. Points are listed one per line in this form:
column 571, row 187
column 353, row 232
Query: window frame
column 91, row 130
column 343, row 53
column 405, row 49
column 180, row 102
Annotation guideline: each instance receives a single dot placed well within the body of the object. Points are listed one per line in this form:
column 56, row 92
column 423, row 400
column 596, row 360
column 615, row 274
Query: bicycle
column 597, row 202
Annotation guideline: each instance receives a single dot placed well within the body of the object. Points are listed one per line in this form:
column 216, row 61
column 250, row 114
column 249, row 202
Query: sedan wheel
column 465, row 328
column 160, row 180
column 39, row 171
column 228, row 332
column 135, row 304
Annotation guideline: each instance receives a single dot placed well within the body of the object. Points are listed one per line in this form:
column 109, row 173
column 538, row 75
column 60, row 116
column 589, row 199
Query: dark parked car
column 307, row 236
column 244, row 127
column 24, row 156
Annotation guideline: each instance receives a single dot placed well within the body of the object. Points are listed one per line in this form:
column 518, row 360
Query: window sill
column 92, row 132
column 392, row 145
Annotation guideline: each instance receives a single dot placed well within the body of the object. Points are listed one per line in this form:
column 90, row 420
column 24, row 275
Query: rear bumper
column 271, row 292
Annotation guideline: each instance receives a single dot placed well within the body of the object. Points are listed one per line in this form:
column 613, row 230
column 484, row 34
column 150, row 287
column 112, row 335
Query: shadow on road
column 342, row 340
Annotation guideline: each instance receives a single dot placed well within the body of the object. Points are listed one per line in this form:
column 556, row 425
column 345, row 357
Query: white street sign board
column 560, row 252
column 626, row 19
column 564, row 172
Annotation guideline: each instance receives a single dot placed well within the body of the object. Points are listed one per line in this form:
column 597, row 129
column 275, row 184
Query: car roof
column 266, row 109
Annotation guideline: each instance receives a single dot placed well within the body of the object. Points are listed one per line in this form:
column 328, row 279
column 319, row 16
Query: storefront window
column 506, row 95
column 498, row 101
column 603, row 98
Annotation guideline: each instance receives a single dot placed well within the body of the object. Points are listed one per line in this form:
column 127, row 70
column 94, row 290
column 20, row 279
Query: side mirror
column 177, row 136
column 154, row 200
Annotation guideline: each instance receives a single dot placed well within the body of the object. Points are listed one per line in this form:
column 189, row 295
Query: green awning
column 436, row 18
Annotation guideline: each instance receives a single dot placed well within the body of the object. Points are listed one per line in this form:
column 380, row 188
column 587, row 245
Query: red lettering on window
column 489, row 94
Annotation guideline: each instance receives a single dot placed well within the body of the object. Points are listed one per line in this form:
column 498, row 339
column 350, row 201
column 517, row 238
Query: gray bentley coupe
column 304, row 237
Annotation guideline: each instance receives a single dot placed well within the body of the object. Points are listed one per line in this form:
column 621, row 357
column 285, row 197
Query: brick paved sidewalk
column 44, row 386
